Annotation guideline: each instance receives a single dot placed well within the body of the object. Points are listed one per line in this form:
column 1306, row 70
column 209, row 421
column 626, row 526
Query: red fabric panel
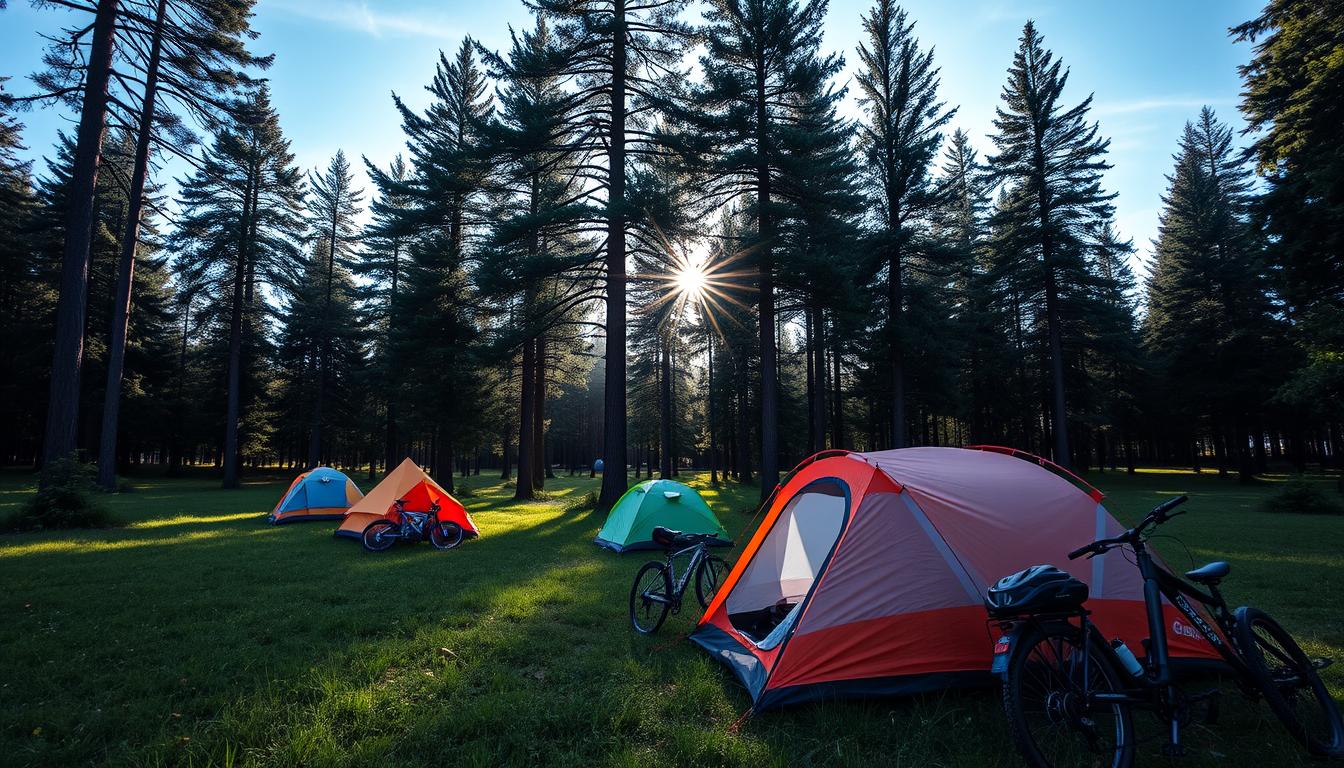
column 944, row 640
column 423, row 495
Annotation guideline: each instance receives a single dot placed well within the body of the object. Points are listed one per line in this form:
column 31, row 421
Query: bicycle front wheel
column 1290, row 683
column 1046, row 696
column 650, row 598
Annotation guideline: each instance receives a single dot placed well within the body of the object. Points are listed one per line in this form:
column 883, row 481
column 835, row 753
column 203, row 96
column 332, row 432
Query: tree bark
column 540, row 465
column 664, row 409
column 614, row 427
column 67, row 361
column 526, row 433
column 121, row 309
column 709, row 403
column 230, row 456
column 766, row 278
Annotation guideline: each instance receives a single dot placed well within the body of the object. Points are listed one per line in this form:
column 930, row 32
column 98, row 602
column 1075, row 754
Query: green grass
column 198, row 635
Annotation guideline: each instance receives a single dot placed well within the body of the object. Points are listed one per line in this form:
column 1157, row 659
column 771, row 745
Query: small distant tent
column 407, row 482
column 598, row 465
column 653, row 503
column 318, row 494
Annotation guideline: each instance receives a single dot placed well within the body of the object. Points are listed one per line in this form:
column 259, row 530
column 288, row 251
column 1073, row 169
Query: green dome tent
column 653, row 503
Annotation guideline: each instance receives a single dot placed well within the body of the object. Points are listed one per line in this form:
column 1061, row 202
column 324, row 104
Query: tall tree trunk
column 817, row 351
column 837, row 414
column 390, row 442
column 664, row 408
column 540, row 466
column 614, row 421
column 709, row 407
column 526, row 433
column 121, row 310
column 896, row 308
column 230, row 457
column 67, row 360
column 766, row 231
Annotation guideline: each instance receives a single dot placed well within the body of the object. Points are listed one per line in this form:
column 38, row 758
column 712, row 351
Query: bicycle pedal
column 1321, row 662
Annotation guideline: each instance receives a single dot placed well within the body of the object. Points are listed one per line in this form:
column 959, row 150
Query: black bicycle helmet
column 1038, row 589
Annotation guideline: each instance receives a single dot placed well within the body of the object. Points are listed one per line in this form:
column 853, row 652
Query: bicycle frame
column 1155, row 689
column 698, row 554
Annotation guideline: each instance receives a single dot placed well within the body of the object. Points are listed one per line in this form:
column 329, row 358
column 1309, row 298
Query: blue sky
column 1150, row 64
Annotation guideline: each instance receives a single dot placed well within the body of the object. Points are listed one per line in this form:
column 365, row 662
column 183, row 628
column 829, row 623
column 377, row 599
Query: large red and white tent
column 867, row 573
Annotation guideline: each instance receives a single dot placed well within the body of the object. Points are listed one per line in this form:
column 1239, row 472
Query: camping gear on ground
column 653, row 503
column 318, row 494
column 405, row 524
column 408, row 483
column 1068, row 692
column 874, row 564
column 658, row 589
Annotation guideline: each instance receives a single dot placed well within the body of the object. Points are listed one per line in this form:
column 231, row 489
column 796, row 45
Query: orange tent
column 407, row 482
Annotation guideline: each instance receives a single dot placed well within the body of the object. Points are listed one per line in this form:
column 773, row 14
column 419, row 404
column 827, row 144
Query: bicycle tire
column 708, row 577
column 652, row 580
column 1317, row 725
column 374, row 539
column 445, row 535
column 1043, row 659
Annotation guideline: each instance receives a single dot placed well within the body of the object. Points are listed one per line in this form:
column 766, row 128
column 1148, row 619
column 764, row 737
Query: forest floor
column 199, row 635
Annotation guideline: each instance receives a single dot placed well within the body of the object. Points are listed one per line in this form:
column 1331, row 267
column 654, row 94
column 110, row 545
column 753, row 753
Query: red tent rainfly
column 867, row 573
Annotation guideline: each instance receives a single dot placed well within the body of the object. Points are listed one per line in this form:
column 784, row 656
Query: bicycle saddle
column 1210, row 574
column 666, row 537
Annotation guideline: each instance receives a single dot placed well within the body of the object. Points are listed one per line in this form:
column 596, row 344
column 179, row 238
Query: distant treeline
column 586, row 253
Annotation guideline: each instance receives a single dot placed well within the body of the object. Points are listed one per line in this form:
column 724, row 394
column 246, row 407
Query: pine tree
column 333, row 206
column 1208, row 321
column 194, row 51
column 1052, row 160
column 24, row 297
column 383, row 263
column 901, row 134
column 761, row 56
column 240, row 225
column 626, row 60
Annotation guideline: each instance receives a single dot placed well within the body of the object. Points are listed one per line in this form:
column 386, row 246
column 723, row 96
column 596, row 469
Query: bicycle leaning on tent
column 1068, row 694
column 409, row 525
column 658, row 590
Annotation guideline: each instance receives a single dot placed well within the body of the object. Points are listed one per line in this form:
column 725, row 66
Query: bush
column 68, row 499
column 584, row 503
column 1304, row 497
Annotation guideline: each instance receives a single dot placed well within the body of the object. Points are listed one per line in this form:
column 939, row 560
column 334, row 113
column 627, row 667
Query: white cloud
column 360, row 17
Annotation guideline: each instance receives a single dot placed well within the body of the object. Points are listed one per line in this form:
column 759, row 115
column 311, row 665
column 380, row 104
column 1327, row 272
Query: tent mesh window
column 771, row 590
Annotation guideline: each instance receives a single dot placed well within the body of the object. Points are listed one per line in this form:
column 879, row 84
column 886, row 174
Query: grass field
column 198, row 635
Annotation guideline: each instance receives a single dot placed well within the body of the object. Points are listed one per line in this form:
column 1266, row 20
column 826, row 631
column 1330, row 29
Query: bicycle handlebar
column 1159, row 515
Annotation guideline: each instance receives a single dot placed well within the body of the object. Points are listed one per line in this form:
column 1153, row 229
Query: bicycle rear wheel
column 1290, row 683
column 1044, row 697
column 708, row 577
column 650, row 598
column 445, row 535
column 379, row 535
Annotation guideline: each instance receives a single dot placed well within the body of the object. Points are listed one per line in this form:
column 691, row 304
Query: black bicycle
column 658, row 590
column 410, row 525
column 1069, row 694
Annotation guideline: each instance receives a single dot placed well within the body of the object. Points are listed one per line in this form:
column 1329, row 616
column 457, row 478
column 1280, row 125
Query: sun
column 690, row 280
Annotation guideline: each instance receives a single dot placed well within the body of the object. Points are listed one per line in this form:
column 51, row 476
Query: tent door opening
column 767, row 599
